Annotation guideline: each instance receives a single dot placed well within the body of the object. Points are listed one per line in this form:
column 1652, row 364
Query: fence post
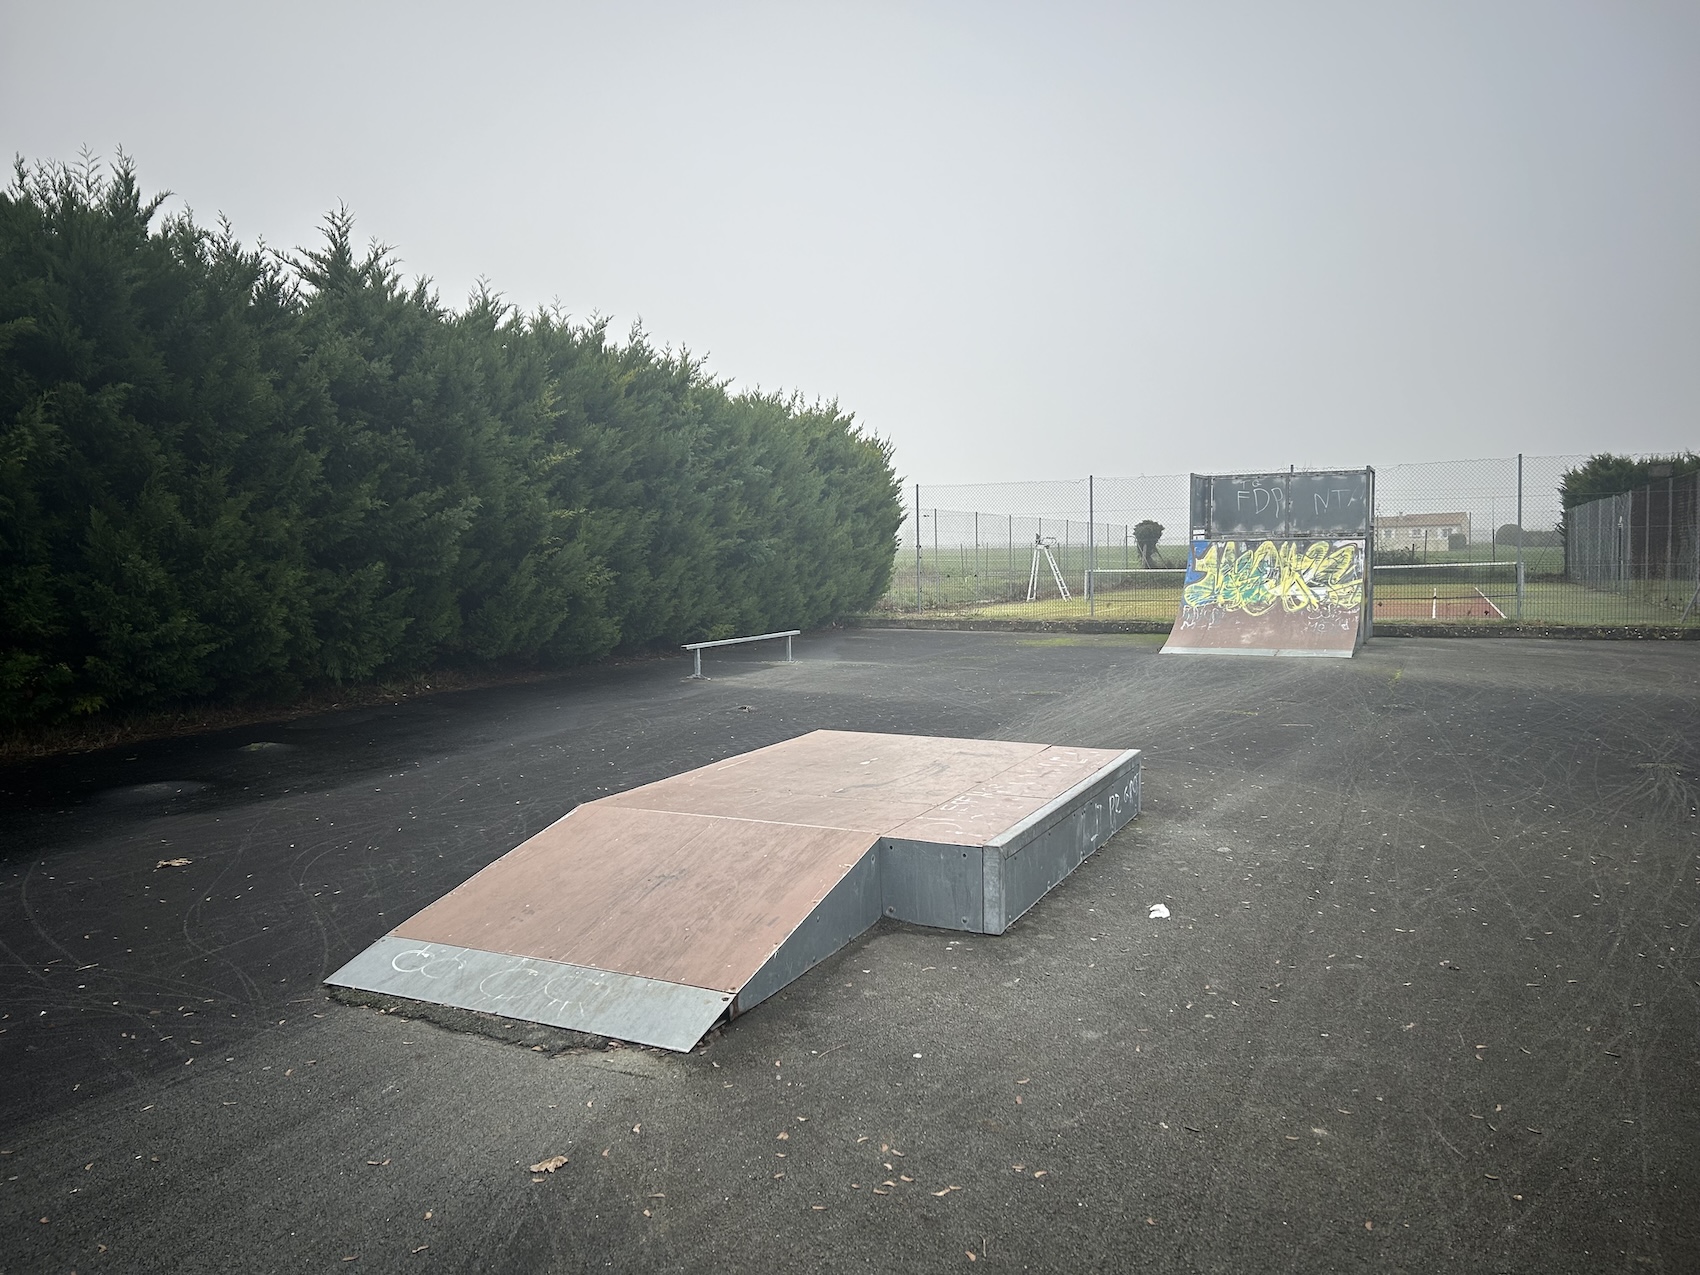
column 917, row 548
column 1519, row 537
column 936, row 549
column 1091, row 545
column 1646, row 536
column 1011, row 533
column 1670, row 526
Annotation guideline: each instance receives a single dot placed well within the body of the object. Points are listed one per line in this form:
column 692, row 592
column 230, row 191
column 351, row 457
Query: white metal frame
column 1093, row 575
column 1042, row 546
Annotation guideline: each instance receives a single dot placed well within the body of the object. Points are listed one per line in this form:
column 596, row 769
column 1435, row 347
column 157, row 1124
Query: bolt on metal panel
column 847, row 911
column 624, row 1006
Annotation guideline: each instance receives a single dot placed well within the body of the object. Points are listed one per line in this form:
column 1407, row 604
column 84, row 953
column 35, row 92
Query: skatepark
column 1395, row 968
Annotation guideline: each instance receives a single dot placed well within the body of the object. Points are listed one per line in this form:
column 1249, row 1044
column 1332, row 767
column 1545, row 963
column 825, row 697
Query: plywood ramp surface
column 837, row 779
column 1211, row 630
column 684, row 898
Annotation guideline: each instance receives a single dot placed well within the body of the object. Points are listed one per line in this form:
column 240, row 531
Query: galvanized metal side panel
column 1045, row 849
column 848, row 909
column 1116, row 783
column 991, row 890
column 624, row 1006
column 933, row 884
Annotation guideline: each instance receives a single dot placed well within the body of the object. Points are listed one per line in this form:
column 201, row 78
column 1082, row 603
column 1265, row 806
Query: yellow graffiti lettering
column 1319, row 575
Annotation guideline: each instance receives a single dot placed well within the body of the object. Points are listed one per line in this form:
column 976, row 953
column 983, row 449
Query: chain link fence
column 1456, row 542
column 1642, row 546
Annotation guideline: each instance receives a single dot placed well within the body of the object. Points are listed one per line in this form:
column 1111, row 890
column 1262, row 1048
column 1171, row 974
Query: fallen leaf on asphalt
column 637, row 1128
column 946, row 1191
column 905, row 1177
column 970, row 1254
column 878, row 1191
column 545, row 1166
column 1039, row 1173
column 818, row 1208
column 647, row 1213
column 427, row 1215
column 183, row 863
column 784, row 1135
column 421, row 1248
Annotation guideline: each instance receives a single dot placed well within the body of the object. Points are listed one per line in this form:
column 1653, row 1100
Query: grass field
column 1400, row 595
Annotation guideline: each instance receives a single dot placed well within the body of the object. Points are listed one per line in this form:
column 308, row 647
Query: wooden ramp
column 653, row 914
column 1272, row 597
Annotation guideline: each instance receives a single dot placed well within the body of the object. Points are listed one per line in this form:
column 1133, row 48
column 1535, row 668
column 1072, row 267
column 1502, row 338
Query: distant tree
column 1147, row 535
column 1509, row 534
column 1608, row 475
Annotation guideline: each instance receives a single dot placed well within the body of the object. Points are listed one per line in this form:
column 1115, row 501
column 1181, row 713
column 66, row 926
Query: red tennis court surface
column 652, row 914
column 1479, row 607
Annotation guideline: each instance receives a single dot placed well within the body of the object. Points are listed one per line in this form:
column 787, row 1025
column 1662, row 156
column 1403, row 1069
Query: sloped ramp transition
column 1272, row 597
column 653, row 914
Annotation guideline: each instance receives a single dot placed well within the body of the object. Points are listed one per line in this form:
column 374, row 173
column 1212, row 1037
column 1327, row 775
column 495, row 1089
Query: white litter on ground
column 1158, row 911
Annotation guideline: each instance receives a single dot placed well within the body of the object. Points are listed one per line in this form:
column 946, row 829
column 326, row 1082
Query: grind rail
column 696, row 648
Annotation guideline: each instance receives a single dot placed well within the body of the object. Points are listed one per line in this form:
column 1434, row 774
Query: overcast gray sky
column 1019, row 241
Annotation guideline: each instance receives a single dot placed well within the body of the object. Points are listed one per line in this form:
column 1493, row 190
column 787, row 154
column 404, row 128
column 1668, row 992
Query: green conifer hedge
column 226, row 473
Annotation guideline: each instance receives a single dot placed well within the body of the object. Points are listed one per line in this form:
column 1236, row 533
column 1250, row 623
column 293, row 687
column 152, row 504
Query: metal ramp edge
column 531, row 989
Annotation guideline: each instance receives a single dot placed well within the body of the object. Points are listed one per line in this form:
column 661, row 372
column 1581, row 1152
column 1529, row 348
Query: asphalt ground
column 1428, row 997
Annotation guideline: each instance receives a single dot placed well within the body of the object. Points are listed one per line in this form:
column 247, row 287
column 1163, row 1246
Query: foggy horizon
column 1014, row 244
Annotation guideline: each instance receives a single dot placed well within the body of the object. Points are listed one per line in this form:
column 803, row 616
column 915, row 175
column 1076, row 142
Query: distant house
column 1420, row 531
